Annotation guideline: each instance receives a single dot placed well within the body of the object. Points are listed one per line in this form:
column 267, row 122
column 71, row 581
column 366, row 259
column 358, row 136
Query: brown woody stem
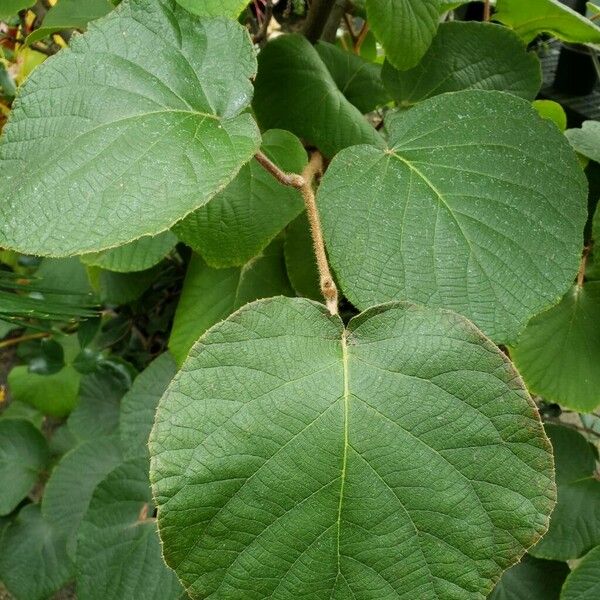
column 291, row 179
column 304, row 183
column 328, row 287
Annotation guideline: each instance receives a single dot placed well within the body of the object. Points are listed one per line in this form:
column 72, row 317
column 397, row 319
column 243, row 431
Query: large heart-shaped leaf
column 309, row 104
column 119, row 529
column 397, row 457
column 575, row 522
column 559, row 352
column 134, row 126
column 237, row 224
column 467, row 209
column 404, row 27
column 533, row 17
column 468, row 56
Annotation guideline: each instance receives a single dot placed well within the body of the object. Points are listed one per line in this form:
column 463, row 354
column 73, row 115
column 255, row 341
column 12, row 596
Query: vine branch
column 317, row 19
column 304, row 183
column 328, row 287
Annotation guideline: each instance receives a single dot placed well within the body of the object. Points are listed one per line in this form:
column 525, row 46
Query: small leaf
column 292, row 457
column 139, row 122
column 72, row 483
column 466, row 210
column 138, row 255
column 468, row 55
column 586, row 140
column 559, row 351
column 10, row 8
column 358, row 79
column 553, row 111
column 139, row 405
column 300, row 259
column 23, row 455
column 70, row 14
column 533, row 17
column 119, row 529
column 215, row 8
column 310, row 104
column 575, row 522
column 405, row 28
column 584, row 582
column 531, row 579
column 238, row 223
column 33, row 563
column 54, row 395
column 209, row 295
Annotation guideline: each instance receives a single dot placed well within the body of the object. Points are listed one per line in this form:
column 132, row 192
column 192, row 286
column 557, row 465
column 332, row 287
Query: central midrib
column 345, row 398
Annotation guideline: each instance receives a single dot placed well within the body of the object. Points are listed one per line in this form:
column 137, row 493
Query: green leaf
column 9, row 8
column 138, row 255
column 139, row 405
column 94, row 157
column 586, row 140
column 310, row 104
column 97, row 413
column 593, row 8
column 20, row 410
column 121, row 288
column 119, row 529
column 559, row 351
column 23, row 455
column 209, row 295
column 70, row 14
column 531, row 579
column 358, row 79
column 533, row 17
column 466, row 210
column 575, row 522
column 33, row 563
column 237, row 224
column 300, row 259
column 468, row 55
column 215, row 8
column 405, row 28
column 584, row 582
column 54, row 395
column 398, row 457
column 553, row 111
column 64, row 280
column 72, row 483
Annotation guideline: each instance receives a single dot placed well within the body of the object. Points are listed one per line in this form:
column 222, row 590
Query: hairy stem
column 291, row 179
column 328, row 287
column 304, row 183
column 317, row 19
